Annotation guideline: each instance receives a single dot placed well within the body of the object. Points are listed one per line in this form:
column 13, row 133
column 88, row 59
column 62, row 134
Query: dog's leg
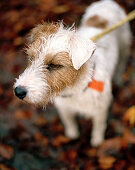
column 99, row 126
column 124, row 41
column 121, row 66
column 68, row 120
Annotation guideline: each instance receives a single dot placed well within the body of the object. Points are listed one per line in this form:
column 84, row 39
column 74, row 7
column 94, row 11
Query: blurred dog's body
column 65, row 68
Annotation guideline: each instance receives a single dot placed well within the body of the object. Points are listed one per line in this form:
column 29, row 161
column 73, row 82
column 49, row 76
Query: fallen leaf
column 4, row 167
column 71, row 155
column 106, row 162
column 47, row 5
column 40, row 121
column 62, row 156
column 128, row 136
column 120, row 165
column 61, row 9
column 89, row 166
column 20, row 114
column 18, row 26
column 18, row 41
column 129, row 116
column 92, row 152
column 6, row 151
column 42, row 140
column 112, row 145
column 38, row 136
column 59, row 140
column 131, row 167
column 13, row 16
column 1, row 90
column 117, row 108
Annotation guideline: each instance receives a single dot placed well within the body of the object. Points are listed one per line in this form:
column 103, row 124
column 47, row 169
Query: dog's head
column 56, row 59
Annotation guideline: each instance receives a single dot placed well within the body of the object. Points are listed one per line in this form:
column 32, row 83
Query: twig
column 129, row 17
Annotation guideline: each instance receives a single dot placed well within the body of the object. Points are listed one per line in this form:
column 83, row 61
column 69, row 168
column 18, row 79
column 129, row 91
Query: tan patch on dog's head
column 96, row 21
column 35, row 37
column 45, row 29
column 64, row 75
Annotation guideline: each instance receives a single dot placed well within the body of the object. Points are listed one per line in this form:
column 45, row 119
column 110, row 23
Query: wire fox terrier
column 64, row 67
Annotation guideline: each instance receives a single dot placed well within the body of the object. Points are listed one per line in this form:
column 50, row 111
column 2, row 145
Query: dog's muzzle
column 20, row 92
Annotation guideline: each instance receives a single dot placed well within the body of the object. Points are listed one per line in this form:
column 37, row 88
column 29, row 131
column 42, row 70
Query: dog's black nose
column 20, row 92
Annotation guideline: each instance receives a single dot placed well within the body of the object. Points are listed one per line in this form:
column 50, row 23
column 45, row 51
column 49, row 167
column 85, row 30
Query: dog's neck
column 82, row 83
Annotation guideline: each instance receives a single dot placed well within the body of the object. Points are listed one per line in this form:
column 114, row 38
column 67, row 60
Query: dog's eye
column 52, row 66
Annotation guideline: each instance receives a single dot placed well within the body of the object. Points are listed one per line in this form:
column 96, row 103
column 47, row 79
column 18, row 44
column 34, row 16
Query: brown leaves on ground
column 128, row 137
column 40, row 121
column 5, row 167
column 106, row 162
column 68, row 156
column 129, row 116
column 92, row 152
column 61, row 9
column 59, row 140
column 6, row 151
column 46, row 5
column 71, row 155
column 114, row 145
column 40, row 139
column 22, row 115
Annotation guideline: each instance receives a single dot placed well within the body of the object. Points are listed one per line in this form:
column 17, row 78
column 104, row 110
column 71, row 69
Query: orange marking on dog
column 96, row 85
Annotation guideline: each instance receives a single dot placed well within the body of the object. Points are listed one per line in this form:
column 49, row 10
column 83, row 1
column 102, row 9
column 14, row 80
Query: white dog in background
column 64, row 66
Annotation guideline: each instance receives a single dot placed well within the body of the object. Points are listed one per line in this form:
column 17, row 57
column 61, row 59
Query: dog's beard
column 39, row 102
column 33, row 79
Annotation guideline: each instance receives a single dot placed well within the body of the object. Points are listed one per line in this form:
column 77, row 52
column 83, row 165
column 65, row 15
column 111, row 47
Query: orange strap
column 97, row 85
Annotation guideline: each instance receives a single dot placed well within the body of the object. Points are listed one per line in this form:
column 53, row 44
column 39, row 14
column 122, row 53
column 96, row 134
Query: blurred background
column 33, row 139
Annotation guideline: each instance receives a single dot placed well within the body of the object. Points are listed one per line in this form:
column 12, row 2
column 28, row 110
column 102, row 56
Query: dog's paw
column 96, row 141
column 72, row 134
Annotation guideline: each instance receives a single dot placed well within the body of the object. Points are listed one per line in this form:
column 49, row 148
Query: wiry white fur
column 60, row 41
column 80, row 99
column 33, row 79
column 55, row 43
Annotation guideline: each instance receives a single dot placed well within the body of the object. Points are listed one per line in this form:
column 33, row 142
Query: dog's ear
column 81, row 50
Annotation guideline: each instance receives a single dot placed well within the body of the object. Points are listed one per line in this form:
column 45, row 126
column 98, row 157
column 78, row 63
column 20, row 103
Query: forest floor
column 33, row 139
